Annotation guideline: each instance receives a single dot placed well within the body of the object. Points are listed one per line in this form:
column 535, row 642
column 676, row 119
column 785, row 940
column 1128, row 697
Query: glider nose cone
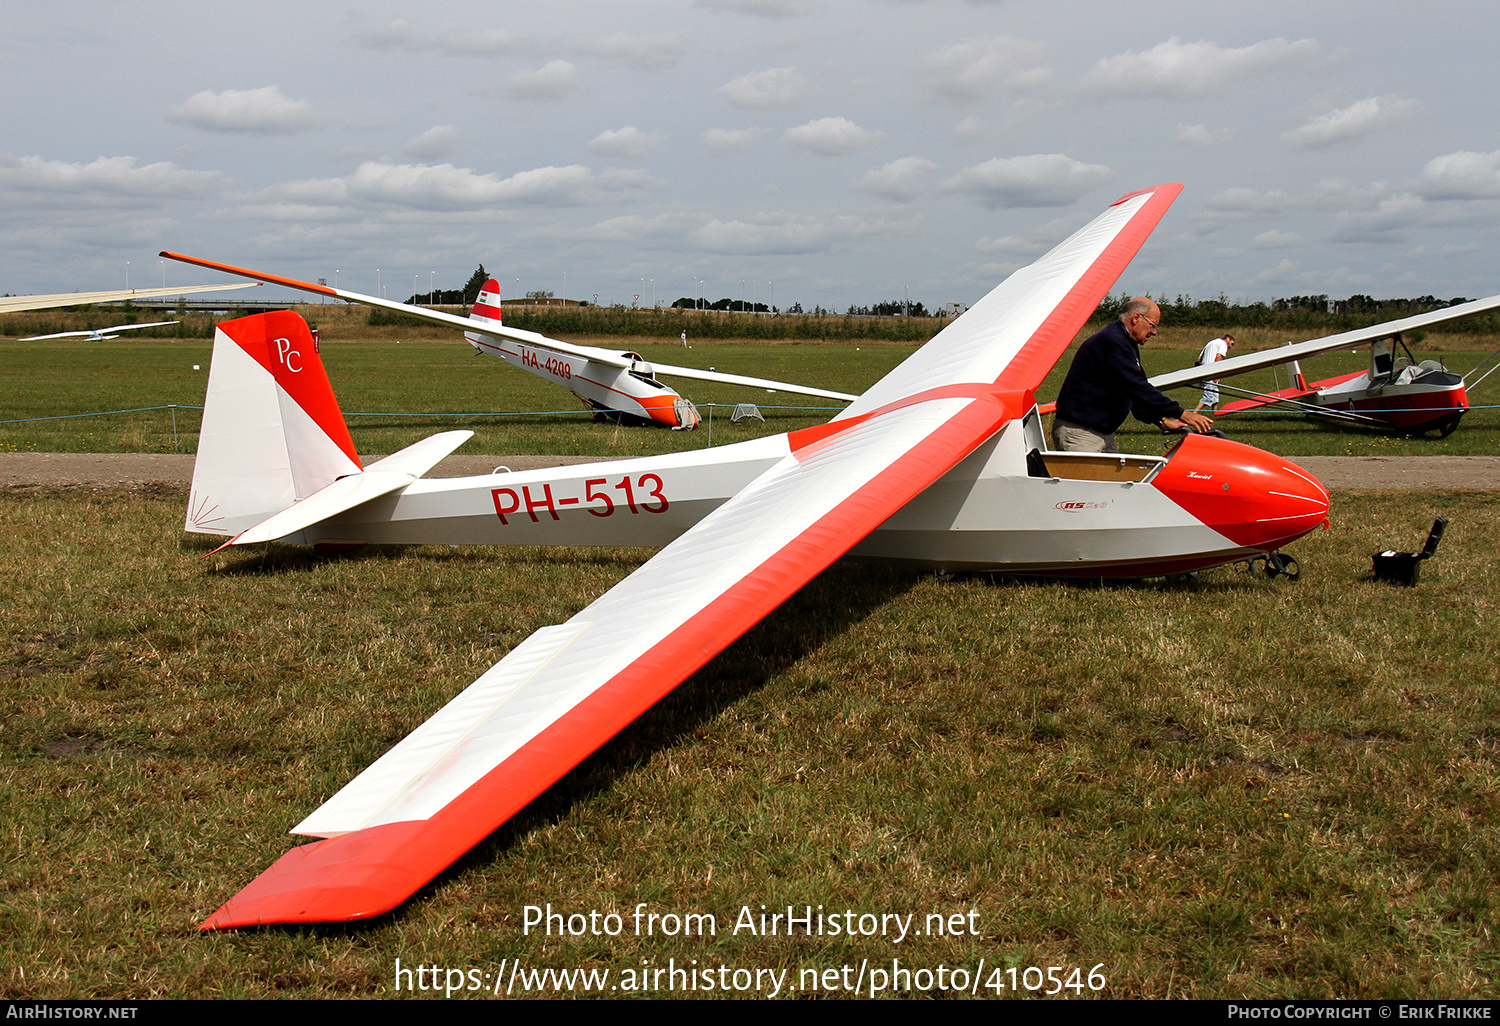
column 1252, row 497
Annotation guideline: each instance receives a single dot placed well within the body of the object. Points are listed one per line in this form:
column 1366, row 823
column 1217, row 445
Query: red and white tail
column 272, row 430
column 487, row 309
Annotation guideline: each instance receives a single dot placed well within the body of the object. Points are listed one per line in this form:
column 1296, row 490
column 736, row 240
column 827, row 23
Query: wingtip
column 355, row 876
column 1171, row 188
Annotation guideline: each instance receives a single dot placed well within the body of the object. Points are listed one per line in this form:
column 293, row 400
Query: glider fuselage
column 1424, row 400
column 633, row 392
column 1209, row 502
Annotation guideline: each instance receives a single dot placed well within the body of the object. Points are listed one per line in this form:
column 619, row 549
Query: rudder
column 272, row 430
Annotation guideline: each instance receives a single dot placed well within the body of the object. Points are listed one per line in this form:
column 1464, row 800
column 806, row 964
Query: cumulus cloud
column 552, row 81
column 1274, row 239
column 968, row 72
column 1199, row 135
column 106, row 181
column 722, row 142
column 1038, row 180
column 624, row 142
column 400, row 34
column 831, row 137
column 761, row 8
column 769, row 233
column 900, row 180
column 1347, row 124
column 434, row 144
column 1391, row 221
column 647, row 53
column 1462, row 175
column 264, row 111
column 784, row 233
column 765, row 90
column 1011, row 245
column 664, row 231
column 1175, row 70
column 1250, row 202
column 1285, row 271
column 445, row 187
column 970, row 130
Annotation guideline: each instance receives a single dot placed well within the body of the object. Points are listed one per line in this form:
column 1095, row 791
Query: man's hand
column 1190, row 419
column 1197, row 421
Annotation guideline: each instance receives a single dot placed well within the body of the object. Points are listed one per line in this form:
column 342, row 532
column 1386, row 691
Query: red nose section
column 1250, row 496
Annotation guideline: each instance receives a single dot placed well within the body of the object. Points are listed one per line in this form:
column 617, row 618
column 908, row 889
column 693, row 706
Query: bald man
column 1106, row 383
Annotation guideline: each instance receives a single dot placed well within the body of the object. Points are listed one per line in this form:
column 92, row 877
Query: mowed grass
column 1242, row 788
column 418, row 388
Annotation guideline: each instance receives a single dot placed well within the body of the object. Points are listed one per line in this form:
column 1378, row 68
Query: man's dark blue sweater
column 1106, row 383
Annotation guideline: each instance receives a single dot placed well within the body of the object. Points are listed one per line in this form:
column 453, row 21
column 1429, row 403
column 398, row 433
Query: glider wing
column 97, row 332
column 499, row 330
column 16, row 304
column 569, row 688
column 1315, row 347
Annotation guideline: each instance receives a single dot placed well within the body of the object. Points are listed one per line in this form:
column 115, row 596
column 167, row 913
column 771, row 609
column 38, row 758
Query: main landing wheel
column 1280, row 564
column 1273, row 564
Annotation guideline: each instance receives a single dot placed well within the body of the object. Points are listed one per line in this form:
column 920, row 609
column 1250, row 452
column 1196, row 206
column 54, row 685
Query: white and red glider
column 621, row 383
column 1409, row 398
column 97, row 334
column 941, row 463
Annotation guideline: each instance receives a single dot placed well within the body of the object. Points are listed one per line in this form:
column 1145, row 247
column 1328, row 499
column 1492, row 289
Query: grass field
column 409, row 383
column 1244, row 788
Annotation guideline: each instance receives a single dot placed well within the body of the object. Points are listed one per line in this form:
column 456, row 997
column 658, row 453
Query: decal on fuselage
column 645, row 494
column 548, row 363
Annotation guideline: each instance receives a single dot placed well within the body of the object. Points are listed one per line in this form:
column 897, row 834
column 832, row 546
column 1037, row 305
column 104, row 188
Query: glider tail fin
column 272, row 430
column 487, row 310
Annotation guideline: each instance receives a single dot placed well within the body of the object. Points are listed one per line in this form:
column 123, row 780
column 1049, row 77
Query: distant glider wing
column 749, row 382
column 97, row 332
column 569, row 688
column 447, row 320
column 1316, row 347
column 498, row 330
column 17, row 304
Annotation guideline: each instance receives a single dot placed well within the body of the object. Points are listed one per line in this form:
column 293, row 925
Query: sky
column 827, row 152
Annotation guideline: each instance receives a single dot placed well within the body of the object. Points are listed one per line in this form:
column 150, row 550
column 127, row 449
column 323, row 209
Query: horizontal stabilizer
column 380, row 478
column 421, row 457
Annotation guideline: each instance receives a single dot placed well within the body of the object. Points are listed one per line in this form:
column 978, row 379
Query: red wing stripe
column 246, row 273
column 1040, row 354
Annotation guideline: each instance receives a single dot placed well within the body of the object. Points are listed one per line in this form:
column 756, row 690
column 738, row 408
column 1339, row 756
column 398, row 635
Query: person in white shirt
column 1215, row 351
